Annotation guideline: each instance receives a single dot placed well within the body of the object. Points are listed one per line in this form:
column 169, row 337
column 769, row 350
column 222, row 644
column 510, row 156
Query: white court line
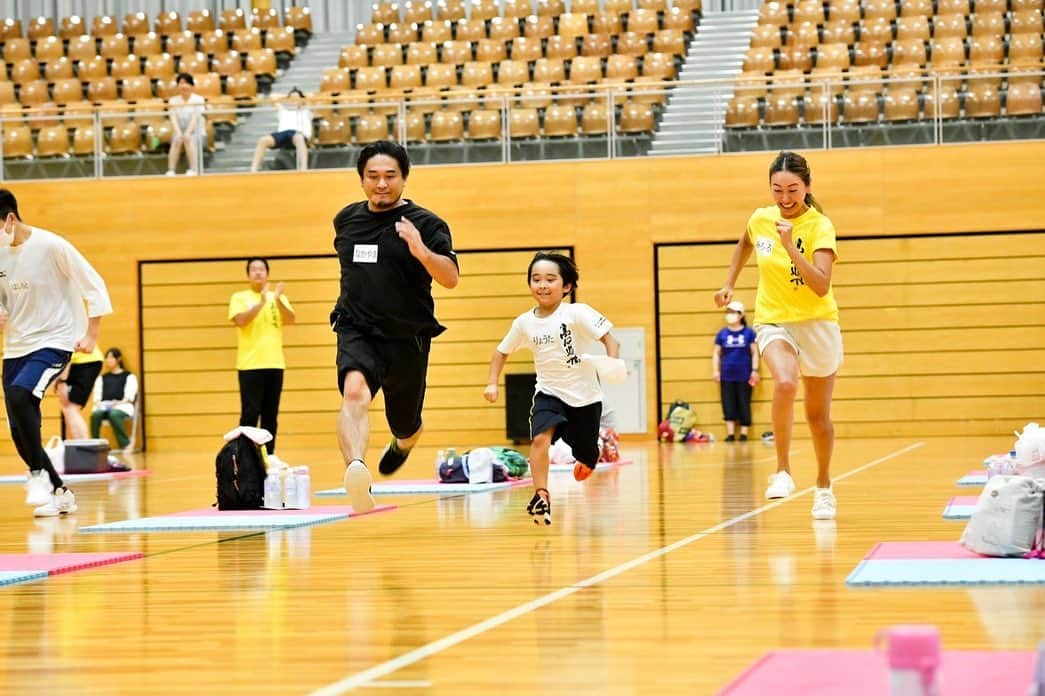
column 399, row 685
column 365, row 677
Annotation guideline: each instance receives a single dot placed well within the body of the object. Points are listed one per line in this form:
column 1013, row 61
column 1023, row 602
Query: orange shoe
column 582, row 471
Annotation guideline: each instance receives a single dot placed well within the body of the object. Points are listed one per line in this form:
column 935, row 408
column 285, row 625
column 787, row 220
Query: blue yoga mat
column 949, row 571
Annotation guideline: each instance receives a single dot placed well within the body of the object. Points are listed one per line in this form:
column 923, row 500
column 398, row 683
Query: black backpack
column 241, row 475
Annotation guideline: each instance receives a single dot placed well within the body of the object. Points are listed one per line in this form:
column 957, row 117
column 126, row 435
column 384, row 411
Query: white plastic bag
column 1007, row 517
column 55, row 450
column 611, row 370
column 1030, row 451
column 560, row 453
column 479, row 465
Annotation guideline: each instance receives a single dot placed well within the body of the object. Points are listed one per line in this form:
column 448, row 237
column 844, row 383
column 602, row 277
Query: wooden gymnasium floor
column 668, row 576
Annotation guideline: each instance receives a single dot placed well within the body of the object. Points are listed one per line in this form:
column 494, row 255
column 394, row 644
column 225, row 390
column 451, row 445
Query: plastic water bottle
column 914, row 660
column 304, row 487
column 273, row 494
column 290, row 490
column 1038, row 687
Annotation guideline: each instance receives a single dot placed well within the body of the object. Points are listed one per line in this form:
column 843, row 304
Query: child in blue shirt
column 735, row 363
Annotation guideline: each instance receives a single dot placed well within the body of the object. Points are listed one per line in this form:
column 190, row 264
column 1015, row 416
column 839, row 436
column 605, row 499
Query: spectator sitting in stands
column 294, row 125
column 186, row 110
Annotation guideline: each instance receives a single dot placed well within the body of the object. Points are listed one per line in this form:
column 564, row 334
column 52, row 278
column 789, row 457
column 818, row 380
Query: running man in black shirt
column 390, row 250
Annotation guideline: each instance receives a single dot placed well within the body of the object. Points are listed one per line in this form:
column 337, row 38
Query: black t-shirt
column 385, row 291
column 114, row 386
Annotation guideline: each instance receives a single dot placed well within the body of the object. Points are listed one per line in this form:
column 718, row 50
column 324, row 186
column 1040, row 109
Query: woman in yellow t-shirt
column 73, row 388
column 796, row 317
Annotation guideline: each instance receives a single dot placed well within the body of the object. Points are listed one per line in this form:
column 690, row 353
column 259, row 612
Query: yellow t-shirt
column 261, row 341
column 782, row 294
column 95, row 355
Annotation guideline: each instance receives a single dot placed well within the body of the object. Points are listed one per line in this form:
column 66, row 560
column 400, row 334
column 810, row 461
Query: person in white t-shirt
column 44, row 284
column 568, row 398
column 190, row 132
column 293, row 126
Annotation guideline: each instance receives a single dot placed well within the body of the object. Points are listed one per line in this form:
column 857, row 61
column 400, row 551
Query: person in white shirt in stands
column 294, row 126
column 190, row 132
column 44, row 284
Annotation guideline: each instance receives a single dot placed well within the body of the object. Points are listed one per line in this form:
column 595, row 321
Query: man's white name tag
column 364, row 253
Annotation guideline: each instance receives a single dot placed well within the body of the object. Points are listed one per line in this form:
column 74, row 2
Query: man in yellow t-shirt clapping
column 260, row 314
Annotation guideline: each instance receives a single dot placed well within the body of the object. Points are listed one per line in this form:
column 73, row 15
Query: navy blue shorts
column 284, row 138
column 35, row 372
column 577, row 425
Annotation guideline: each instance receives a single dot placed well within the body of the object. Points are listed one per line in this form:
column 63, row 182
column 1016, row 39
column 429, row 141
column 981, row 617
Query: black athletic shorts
column 577, row 425
column 399, row 366
column 81, row 381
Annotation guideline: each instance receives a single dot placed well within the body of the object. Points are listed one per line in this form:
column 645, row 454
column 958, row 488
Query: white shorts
column 817, row 342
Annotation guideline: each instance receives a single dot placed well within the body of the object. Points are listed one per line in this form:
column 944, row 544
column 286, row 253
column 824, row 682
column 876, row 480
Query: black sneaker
column 540, row 507
column 391, row 459
column 730, row 438
column 743, row 438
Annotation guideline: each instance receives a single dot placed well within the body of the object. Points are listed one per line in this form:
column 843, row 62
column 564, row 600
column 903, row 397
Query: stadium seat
column 623, row 67
column 18, row 141
column 145, row 45
column 10, row 28
column 405, row 77
column 512, row 72
column 264, row 19
column 41, row 27
column 417, row 11
column 242, row 85
column 456, row 52
column 244, row 40
column 636, row 118
column 92, row 68
column 49, row 48
column 949, row 26
column 446, row 126
column 549, row 70
column 766, row 36
column 159, row 67
column 214, row 42
column 353, row 56
column 847, row 11
column 469, row 29
column 946, row 102
column 17, row 49
column 742, row 112
column 181, row 43
column 384, row 13
column 916, row 8
column 69, row 90
column 167, row 23
column 232, row 20
column 631, row 44
column 953, row 7
column 552, row 8
column 451, row 10
column 982, row 101
column 441, row 75
column 594, row 119
column 585, row 69
column 523, row 123
column 125, row 138
column 127, row 66
column 900, row 104
column 115, row 46
column 678, row 18
column 839, row 31
column 370, row 128
column 1025, row 49
column 988, row 24
column 194, row 63
column 484, row 124
column 333, row 130
column 200, row 22
column 371, row 34
column 484, row 9
column 491, row 50
column 421, row 53
column 560, row 121
column 1023, row 99
column 913, row 27
column 600, row 45
column 670, row 41
column 774, row 13
column 80, row 48
column 504, row 28
column 1027, row 22
column 437, row 31
column 25, row 70
column 136, row 88
column 300, row 18
column 809, row 11
column 538, row 27
column 33, row 93
column 560, row 47
column 52, row 141
column 607, row 23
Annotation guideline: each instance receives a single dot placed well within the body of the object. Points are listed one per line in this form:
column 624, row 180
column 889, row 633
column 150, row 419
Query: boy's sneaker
column 38, row 488
column 392, row 458
column 357, row 485
column 63, row 502
column 582, row 471
column 781, row 485
column 824, row 505
column 743, row 438
column 540, row 507
column 731, row 438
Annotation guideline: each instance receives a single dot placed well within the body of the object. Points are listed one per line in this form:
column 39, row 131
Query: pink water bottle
column 914, row 659
column 1038, row 687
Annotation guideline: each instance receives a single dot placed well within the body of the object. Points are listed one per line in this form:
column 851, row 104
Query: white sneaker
column 38, row 488
column 190, row 172
column 170, row 172
column 781, row 485
column 824, row 505
column 63, row 502
column 357, row 485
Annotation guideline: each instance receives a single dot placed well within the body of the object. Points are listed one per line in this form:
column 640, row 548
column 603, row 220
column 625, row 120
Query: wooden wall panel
column 953, row 344
column 610, row 212
column 191, row 387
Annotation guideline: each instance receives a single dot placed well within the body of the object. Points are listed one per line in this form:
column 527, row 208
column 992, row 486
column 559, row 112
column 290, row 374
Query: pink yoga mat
column 55, row 563
column 918, row 551
column 865, row 673
column 964, row 500
column 314, row 510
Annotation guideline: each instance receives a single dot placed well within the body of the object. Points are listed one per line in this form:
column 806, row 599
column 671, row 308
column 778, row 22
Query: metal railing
column 542, row 122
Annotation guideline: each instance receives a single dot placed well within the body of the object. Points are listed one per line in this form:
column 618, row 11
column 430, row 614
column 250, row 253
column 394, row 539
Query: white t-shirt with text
column 557, row 342
column 44, row 283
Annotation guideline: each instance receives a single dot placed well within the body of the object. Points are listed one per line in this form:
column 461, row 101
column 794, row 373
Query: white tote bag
column 55, row 450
